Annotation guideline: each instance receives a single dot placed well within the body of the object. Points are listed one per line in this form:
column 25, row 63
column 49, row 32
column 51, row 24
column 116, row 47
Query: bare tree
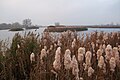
column 16, row 25
column 27, row 23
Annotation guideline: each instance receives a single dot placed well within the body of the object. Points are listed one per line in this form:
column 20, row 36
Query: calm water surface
column 8, row 35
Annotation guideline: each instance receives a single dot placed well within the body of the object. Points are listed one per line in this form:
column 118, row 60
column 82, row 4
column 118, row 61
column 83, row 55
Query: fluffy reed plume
column 73, row 43
column 113, row 33
column 43, row 53
column 81, row 78
column 114, row 51
column 55, row 45
column 117, row 57
column 3, row 53
column 96, row 44
column 68, row 32
column 67, row 59
column 90, row 71
column 105, row 36
column 47, row 52
column 98, row 34
column 103, row 46
column 58, row 53
column 99, row 53
column 108, row 52
column 45, row 47
column 59, row 43
column 119, row 48
column 51, row 47
column 57, row 63
column 93, row 46
column 88, row 57
column 101, row 62
column 74, row 66
column 98, row 41
column 32, row 57
column 81, row 53
column 112, row 64
column 18, row 46
column 44, row 41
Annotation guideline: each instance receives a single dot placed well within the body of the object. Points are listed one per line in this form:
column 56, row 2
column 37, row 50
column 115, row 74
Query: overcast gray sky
column 69, row 12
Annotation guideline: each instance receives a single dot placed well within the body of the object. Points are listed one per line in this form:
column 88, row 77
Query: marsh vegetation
column 69, row 56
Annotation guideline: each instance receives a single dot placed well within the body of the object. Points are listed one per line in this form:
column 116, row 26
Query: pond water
column 8, row 35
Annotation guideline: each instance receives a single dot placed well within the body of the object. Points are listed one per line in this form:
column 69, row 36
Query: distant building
column 57, row 24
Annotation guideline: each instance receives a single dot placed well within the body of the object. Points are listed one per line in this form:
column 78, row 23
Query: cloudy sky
column 69, row 12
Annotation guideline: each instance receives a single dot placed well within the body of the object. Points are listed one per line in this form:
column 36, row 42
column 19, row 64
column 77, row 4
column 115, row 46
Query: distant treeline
column 9, row 26
column 26, row 24
column 4, row 26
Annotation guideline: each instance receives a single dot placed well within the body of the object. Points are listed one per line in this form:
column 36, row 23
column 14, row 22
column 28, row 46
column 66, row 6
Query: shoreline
column 82, row 27
column 61, row 28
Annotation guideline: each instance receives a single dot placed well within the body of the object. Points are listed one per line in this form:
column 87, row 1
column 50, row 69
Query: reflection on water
column 5, row 34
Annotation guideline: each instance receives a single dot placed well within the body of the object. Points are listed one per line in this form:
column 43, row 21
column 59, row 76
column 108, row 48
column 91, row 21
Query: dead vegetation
column 69, row 56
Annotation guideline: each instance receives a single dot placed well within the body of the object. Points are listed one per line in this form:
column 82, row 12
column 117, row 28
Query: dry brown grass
column 16, row 64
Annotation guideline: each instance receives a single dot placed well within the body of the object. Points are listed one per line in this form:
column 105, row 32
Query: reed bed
column 69, row 56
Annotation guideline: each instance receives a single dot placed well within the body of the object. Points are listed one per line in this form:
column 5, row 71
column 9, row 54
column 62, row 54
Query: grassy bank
column 62, row 29
column 16, row 29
